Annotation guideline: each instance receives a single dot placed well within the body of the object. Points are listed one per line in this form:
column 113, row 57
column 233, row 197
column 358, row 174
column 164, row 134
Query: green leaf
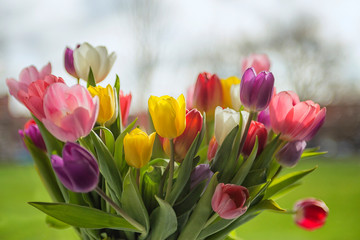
column 91, row 79
column 265, row 158
column 285, row 190
column 54, row 223
column 268, row 204
column 163, row 220
column 109, row 138
column 311, row 154
column 84, row 217
column 150, row 186
column 117, row 92
column 282, row 182
column 255, row 177
column 132, row 202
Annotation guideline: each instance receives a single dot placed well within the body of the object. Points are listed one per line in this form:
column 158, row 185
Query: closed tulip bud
column 256, row 90
column 107, row 104
column 69, row 62
column 291, row 153
column 229, row 200
column 295, row 120
column 226, row 85
column 138, row 148
column 70, row 112
column 190, row 97
column 125, row 102
column 235, row 97
column 310, row 213
column 77, row 169
column 213, row 145
column 256, row 130
column 260, row 62
column 207, row 93
column 200, row 173
column 32, row 131
column 168, row 115
column 97, row 58
column 264, row 118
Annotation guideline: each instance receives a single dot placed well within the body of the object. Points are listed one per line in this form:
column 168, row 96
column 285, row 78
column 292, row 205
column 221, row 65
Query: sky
column 35, row 32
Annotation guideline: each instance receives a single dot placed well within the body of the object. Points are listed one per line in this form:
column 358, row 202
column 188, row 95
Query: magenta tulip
column 260, row 62
column 32, row 131
column 310, row 213
column 291, row 153
column 70, row 112
column 69, row 61
column 200, row 173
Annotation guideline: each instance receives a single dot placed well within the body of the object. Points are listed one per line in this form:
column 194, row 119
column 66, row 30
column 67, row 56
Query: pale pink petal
column 29, row 75
column 46, row 70
column 76, row 122
column 58, row 132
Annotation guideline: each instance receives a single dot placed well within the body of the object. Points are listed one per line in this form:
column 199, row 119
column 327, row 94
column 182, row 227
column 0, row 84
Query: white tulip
column 235, row 96
column 97, row 58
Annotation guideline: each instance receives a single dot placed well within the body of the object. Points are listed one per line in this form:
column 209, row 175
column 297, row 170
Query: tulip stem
column 138, row 177
column 171, row 170
column 162, row 182
column 211, row 220
column 243, row 139
column 119, row 210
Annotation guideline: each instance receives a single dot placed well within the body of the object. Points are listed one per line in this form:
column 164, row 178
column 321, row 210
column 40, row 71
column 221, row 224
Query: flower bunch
column 222, row 158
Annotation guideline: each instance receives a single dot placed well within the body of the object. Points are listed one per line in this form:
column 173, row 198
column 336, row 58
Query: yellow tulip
column 107, row 108
column 226, row 86
column 168, row 115
column 138, row 148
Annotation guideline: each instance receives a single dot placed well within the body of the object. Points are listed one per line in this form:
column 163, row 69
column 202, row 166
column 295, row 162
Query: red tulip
column 260, row 62
column 258, row 130
column 310, row 214
column 213, row 145
column 125, row 102
column 229, row 200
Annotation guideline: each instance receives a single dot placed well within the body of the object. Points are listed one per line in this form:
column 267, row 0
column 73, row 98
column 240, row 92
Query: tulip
column 264, row 118
column 213, row 145
column 194, row 122
column 295, row 120
column 260, row 62
column 200, row 173
column 310, row 213
column 190, row 97
column 97, row 58
column 258, row 130
column 168, row 115
column 69, row 61
column 32, row 131
column 107, row 105
column 256, row 90
column 226, row 85
column 235, row 97
column 70, row 112
column 138, row 148
column 291, row 153
column 207, row 93
column 229, row 200
column 125, row 102
column 77, row 169
column 225, row 121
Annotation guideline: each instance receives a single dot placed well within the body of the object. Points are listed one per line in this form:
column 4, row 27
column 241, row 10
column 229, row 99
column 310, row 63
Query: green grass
column 335, row 182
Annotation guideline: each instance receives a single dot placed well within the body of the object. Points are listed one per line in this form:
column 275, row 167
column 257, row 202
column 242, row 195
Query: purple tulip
column 264, row 118
column 290, row 154
column 256, row 90
column 78, row 170
column 32, row 131
column 69, row 61
column 200, row 173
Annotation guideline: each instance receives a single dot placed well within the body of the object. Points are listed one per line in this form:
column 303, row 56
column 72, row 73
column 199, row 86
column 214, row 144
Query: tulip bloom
column 194, row 122
column 69, row 61
column 213, row 145
column 310, row 213
column 295, row 120
column 168, row 115
column 256, row 90
column 70, row 112
column 291, row 153
column 258, row 130
column 264, row 118
column 200, row 173
column 97, row 58
column 32, row 131
column 77, row 169
column 229, row 200
column 125, row 102
column 207, row 93
column 107, row 105
column 260, row 62
column 235, row 97
column 226, row 85
column 138, row 148
column 190, row 97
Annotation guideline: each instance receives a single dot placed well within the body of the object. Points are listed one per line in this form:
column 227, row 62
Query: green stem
column 211, row 220
column 243, row 139
column 138, row 177
column 78, row 80
column 171, row 170
column 162, row 182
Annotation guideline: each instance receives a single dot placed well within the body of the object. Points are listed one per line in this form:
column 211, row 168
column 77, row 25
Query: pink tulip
column 295, row 120
column 70, row 112
column 260, row 62
column 125, row 102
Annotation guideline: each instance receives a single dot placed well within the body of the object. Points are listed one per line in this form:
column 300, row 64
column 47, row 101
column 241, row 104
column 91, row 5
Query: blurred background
column 161, row 47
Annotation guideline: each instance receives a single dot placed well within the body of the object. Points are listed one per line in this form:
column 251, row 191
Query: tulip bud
column 190, row 97
column 229, row 200
column 235, row 97
column 125, row 102
column 226, row 85
column 291, row 153
column 168, row 115
column 69, row 61
column 260, row 62
column 138, row 148
column 200, row 173
column 107, row 104
column 207, row 93
column 310, row 213
column 77, row 169
column 264, row 118
column 32, row 131
column 212, row 149
column 256, row 90
column 258, row 130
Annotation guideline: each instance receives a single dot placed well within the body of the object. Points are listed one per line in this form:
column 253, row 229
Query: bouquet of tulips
column 219, row 164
